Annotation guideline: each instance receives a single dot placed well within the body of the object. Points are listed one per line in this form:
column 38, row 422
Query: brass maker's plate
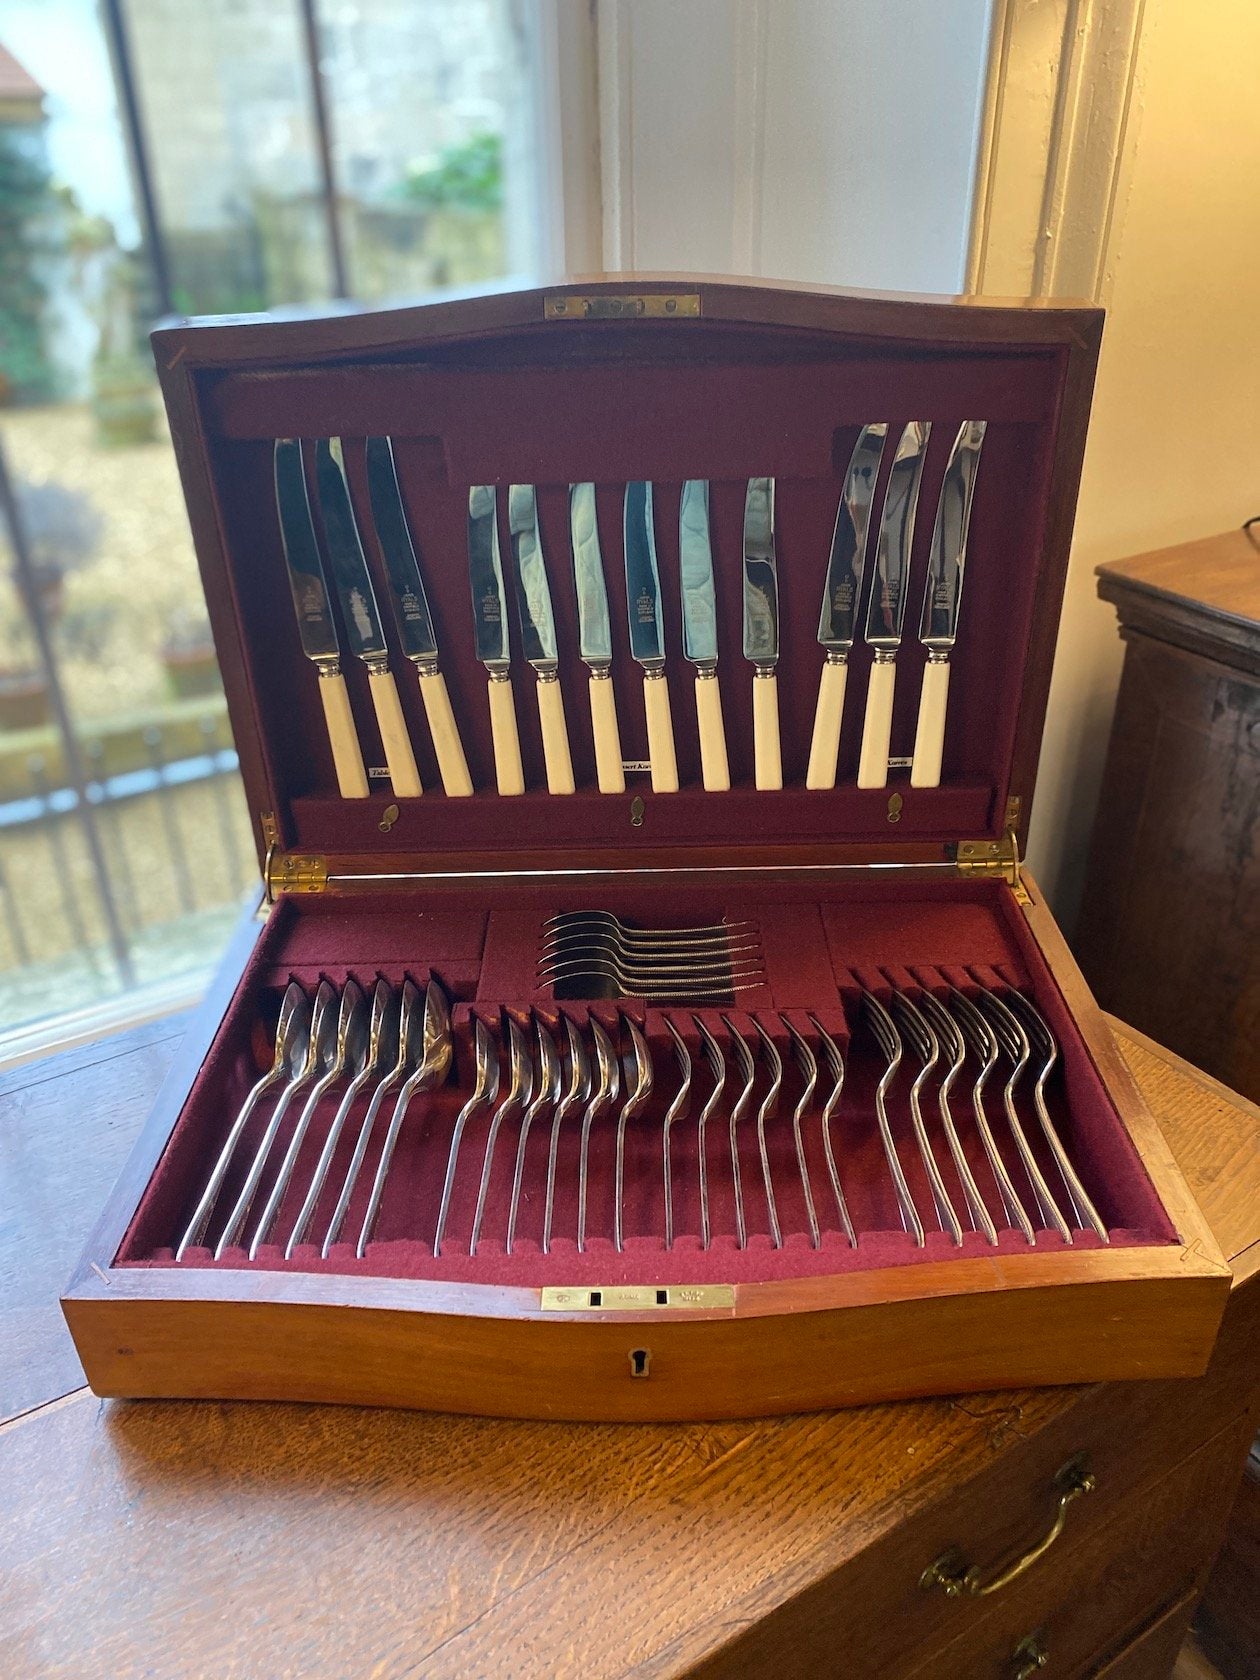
column 626, row 1297
column 621, row 306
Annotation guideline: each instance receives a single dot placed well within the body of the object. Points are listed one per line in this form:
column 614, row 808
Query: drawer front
column 1093, row 1594
column 1152, row 1654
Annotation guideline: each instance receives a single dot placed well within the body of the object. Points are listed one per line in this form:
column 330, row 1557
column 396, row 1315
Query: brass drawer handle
column 951, row 1574
column 1031, row 1655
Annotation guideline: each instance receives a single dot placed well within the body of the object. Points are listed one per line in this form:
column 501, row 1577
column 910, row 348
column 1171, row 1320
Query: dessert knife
column 415, row 621
column 490, row 634
column 314, row 616
column 942, row 597
column 538, row 633
column 699, row 606
column 761, row 628
column 361, row 615
column 595, row 636
column 647, row 633
column 837, row 623
column 886, row 609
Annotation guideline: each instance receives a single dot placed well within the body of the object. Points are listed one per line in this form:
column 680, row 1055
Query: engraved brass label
column 622, row 306
column 637, row 1298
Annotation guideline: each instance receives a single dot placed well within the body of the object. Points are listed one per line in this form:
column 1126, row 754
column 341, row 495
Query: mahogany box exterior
column 854, row 891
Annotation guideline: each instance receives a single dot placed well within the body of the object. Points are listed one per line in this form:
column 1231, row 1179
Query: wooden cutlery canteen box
column 638, row 686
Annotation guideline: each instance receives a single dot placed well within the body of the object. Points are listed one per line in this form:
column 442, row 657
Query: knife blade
column 538, row 633
column 318, row 633
column 886, row 607
column 595, row 636
column 942, row 599
column 761, row 628
column 411, row 606
column 361, row 615
column 837, row 624
column 699, row 608
column 490, row 634
column 647, row 633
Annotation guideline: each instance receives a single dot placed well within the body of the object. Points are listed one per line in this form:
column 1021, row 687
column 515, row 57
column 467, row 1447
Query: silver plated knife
column 942, row 598
column 837, row 624
column 886, row 609
column 490, row 634
column 538, row 633
column 595, row 636
column 361, row 614
column 647, row 633
column 761, row 628
column 699, row 608
column 415, row 621
column 314, row 616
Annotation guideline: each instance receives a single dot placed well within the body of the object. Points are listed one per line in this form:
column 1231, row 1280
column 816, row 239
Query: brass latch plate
column 621, row 306
column 297, row 872
column 637, row 1298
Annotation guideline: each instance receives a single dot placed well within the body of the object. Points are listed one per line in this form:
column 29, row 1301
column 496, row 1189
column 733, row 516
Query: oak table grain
column 261, row 1541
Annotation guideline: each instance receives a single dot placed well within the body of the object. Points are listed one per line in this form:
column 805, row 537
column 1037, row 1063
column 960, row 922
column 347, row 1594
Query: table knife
column 699, row 608
column 837, row 624
column 942, row 598
column 314, row 616
column 886, row 609
column 360, row 613
column 761, row 628
column 415, row 621
column 647, row 633
column 490, row 634
column 538, row 633
column 595, row 636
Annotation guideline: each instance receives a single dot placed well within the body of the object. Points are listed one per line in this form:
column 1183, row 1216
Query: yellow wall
column 1174, row 447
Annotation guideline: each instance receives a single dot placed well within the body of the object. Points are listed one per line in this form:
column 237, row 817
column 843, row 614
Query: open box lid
column 615, row 379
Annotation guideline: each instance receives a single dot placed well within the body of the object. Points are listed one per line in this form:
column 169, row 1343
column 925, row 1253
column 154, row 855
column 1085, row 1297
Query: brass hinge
column 995, row 858
column 621, row 306
column 291, row 872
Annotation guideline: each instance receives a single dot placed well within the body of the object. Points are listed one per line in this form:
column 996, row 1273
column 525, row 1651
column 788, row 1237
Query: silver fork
column 982, row 1042
column 351, row 1031
column 1014, row 1040
column 1045, row 1044
column 485, row 1090
column 676, row 1111
column 955, row 1052
column 748, row 1070
column 923, row 1041
column 835, row 1067
column 292, row 1030
column 409, row 1042
column 889, row 1040
column 520, row 1085
column 607, row 1084
column 767, row 1110
column 378, row 1047
column 577, row 1092
column 548, row 1090
column 807, row 1066
column 636, row 1100
column 717, row 1067
column 319, row 1046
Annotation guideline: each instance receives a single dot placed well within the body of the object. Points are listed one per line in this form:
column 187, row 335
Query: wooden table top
column 259, row 1542
column 1204, row 595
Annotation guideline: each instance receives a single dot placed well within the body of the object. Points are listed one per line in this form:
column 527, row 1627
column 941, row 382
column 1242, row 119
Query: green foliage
column 27, row 203
column 464, row 177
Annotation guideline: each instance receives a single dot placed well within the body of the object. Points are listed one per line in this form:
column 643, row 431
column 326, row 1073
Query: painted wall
column 1174, row 448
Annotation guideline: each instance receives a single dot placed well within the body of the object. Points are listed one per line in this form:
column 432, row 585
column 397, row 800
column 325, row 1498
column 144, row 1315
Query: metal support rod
column 28, row 592
column 138, row 150
column 323, row 140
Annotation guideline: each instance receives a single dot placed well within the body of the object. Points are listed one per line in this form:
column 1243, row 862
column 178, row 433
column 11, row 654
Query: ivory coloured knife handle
column 767, row 755
column 877, row 727
column 403, row 775
column 453, row 766
column 352, row 782
column 508, row 771
column 660, row 728
column 824, row 748
column 714, row 767
column 555, row 736
column 929, row 734
column 608, row 767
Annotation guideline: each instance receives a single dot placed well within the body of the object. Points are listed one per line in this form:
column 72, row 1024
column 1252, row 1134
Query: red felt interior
column 819, row 951
column 684, row 400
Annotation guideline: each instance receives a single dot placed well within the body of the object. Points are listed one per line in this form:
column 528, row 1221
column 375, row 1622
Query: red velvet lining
column 818, row 953
column 744, row 402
